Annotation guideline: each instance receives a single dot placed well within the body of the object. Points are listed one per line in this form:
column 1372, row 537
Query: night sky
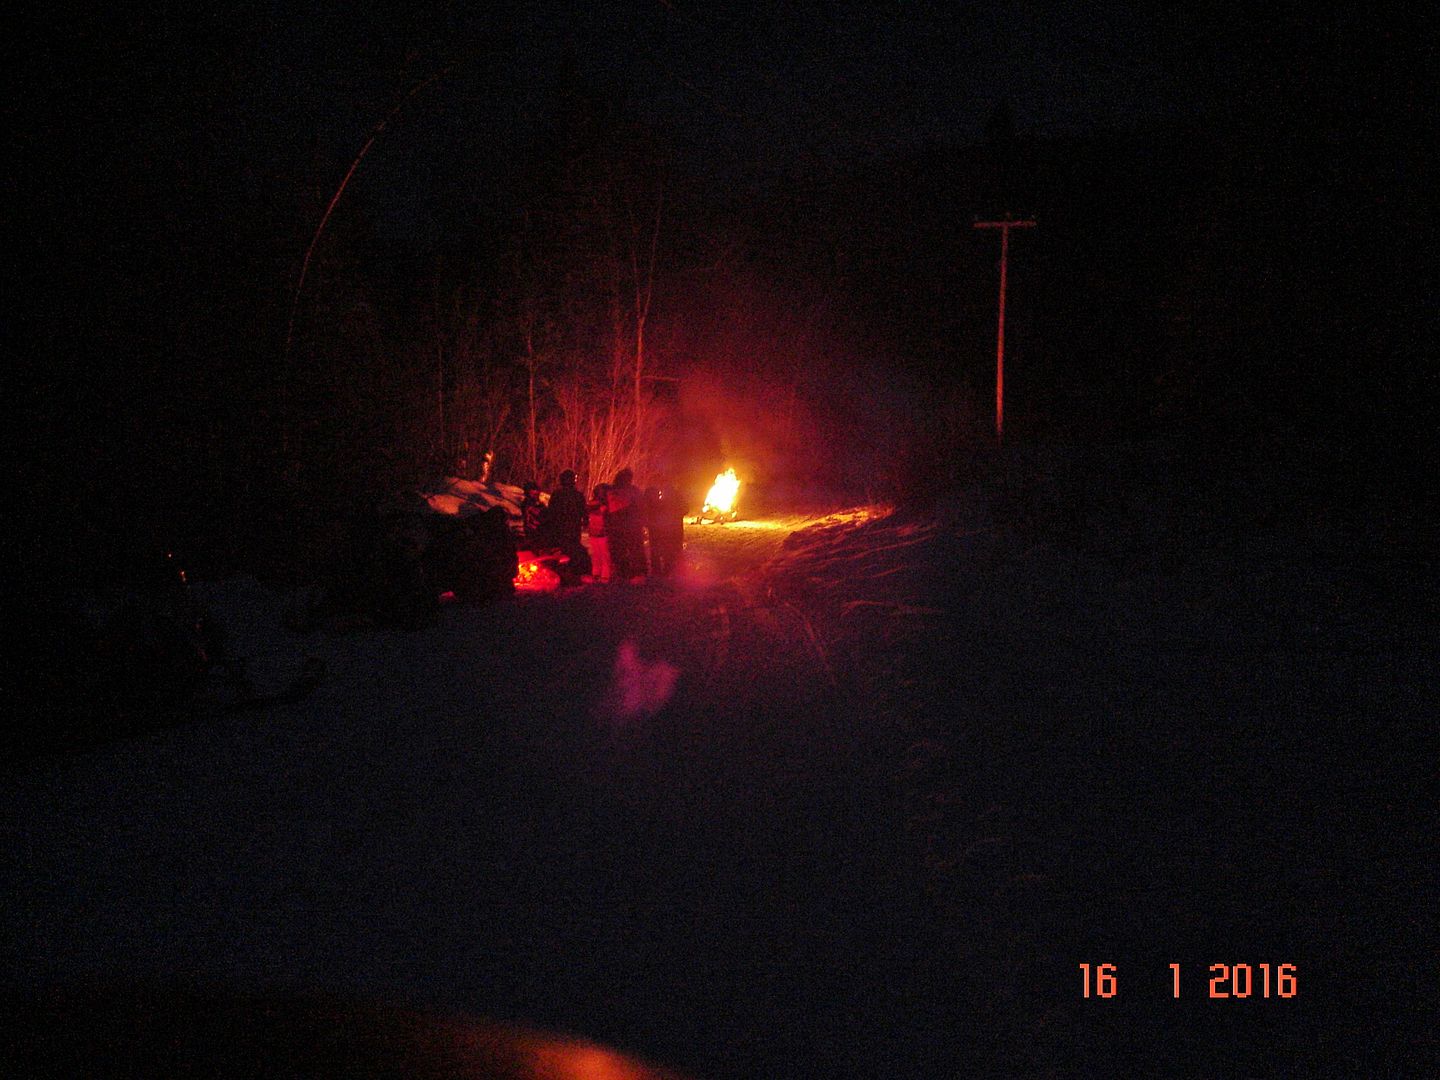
column 774, row 87
column 747, row 91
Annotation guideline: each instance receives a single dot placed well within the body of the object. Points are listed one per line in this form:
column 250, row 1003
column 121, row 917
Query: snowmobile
column 710, row 515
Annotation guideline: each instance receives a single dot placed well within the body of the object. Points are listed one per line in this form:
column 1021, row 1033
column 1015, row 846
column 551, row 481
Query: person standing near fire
column 564, row 518
column 596, row 513
column 665, row 522
column 625, row 526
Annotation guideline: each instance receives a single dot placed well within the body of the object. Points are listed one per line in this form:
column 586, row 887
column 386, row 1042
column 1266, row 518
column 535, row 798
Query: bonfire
column 720, row 500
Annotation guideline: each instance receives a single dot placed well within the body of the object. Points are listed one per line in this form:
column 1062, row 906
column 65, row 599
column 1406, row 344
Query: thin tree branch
column 314, row 240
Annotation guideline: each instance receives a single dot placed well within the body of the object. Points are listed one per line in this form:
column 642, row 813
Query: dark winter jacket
column 625, row 529
column 625, row 509
column 565, row 517
column 663, row 510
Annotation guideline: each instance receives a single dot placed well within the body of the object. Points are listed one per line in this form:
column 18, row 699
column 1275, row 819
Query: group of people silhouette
column 630, row 533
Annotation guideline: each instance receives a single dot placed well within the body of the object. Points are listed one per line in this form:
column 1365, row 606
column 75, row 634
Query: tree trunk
column 530, row 365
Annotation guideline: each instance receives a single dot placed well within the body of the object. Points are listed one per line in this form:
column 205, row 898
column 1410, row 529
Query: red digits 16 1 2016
column 1226, row 980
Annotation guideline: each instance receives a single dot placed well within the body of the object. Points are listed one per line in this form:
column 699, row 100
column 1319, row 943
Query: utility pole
column 1004, row 226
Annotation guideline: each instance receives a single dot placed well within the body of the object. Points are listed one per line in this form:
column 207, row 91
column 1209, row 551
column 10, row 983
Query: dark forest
column 1246, row 278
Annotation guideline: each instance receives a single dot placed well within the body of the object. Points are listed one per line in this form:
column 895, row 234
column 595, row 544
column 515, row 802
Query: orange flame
column 534, row 576
column 721, row 498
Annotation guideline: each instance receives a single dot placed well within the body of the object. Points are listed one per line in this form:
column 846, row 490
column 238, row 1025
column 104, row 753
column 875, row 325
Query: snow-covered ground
column 1151, row 751
column 568, row 809
column 861, row 813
